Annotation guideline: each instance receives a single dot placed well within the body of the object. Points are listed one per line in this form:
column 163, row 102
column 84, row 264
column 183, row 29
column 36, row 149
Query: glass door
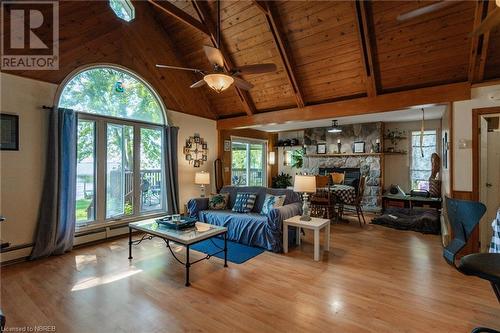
column 119, row 170
column 248, row 162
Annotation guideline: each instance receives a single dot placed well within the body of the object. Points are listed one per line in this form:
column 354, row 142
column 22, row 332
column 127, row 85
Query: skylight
column 123, row 9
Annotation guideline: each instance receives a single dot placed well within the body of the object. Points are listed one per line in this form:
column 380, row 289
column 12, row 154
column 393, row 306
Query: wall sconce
column 272, row 158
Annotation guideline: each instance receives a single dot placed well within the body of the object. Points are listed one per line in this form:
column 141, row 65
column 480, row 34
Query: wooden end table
column 316, row 224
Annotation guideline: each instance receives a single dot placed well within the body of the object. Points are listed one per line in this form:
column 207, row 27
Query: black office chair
column 463, row 217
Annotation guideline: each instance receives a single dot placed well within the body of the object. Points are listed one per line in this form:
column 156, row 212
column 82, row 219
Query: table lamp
column 305, row 184
column 202, row 178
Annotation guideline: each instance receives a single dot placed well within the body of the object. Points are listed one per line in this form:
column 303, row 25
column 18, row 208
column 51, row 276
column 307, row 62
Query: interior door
column 489, row 189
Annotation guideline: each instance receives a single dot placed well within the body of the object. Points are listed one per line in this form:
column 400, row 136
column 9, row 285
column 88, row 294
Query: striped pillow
column 244, row 202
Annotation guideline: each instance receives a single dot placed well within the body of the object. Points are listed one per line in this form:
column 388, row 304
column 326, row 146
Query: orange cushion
column 337, row 177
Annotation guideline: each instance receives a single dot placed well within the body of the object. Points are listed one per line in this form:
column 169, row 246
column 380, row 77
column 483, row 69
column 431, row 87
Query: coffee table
column 186, row 237
column 315, row 224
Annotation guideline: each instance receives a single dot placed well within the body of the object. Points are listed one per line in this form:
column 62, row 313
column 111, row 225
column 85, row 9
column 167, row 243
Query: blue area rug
column 236, row 253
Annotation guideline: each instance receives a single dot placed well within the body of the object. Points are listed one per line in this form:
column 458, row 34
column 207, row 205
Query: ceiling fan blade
column 198, row 84
column 256, row 69
column 214, row 56
column 491, row 21
column 424, row 10
column 180, row 68
column 242, row 84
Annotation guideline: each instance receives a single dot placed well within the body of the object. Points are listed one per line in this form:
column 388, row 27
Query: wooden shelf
column 395, row 153
column 396, row 138
column 344, row 155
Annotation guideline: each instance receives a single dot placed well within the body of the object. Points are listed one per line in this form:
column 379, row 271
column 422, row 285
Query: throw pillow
column 218, row 201
column 272, row 201
column 244, row 202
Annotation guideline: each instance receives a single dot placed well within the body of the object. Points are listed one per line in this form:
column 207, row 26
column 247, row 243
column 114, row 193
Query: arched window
column 119, row 147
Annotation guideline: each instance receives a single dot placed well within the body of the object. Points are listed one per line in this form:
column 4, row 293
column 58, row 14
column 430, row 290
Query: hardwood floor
column 374, row 280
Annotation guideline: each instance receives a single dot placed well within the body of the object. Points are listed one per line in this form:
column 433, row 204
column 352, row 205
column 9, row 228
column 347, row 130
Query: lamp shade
column 218, row 82
column 305, row 184
column 202, row 178
column 272, row 158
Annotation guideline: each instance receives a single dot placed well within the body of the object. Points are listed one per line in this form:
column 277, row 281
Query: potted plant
column 283, row 180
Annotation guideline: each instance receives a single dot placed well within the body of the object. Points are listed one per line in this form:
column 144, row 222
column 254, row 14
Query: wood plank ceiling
column 325, row 51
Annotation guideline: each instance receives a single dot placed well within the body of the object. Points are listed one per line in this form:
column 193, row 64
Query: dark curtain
column 171, row 169
column 56, row 220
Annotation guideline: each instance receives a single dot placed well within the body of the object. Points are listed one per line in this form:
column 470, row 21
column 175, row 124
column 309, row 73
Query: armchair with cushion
column 253, row 229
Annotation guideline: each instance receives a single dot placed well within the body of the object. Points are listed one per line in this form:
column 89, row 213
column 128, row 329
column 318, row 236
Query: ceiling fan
column 219, row 79
column 490, row 21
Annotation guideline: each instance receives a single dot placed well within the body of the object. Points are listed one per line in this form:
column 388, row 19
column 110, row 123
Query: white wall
column 188, row 125
column 462, row 130
column 397, row 167
column 22, row 171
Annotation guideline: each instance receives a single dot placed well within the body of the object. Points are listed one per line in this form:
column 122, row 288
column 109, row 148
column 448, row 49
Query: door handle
column 489, row 185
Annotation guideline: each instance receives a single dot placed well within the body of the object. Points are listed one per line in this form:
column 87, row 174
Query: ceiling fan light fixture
column 335, row 127
column 218, row 82
column 498, row 3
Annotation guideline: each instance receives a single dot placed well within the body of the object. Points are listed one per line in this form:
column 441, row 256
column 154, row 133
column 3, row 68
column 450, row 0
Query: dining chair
column 356, row 205
column 322, row 201
column 337, row 177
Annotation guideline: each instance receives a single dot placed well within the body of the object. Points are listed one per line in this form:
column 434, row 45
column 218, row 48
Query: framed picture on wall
column 321, row 148
column 9, row 132
column 359, row 147
column 227, row 145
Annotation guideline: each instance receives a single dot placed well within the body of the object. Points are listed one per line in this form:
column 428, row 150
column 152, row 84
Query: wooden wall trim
column 365, row 105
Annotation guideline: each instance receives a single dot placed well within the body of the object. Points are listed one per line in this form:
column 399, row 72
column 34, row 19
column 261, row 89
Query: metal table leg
column 187, row 266
column 130, row 243
column 225, row 249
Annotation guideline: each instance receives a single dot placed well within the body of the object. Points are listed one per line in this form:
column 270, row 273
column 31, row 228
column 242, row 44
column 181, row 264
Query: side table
column 316, row 224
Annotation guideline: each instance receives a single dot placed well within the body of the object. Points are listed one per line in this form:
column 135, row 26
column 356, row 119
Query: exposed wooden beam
column 279, row 39
column 203, row 12
column 179, row 14
column 364, row 105
column 365, row 40
column 484, row 47
column 478, row 42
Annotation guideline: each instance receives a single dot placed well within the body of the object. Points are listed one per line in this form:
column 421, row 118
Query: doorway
column 487, row 173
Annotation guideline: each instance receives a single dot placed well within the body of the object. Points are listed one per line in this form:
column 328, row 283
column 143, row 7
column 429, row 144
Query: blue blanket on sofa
column 252, row 228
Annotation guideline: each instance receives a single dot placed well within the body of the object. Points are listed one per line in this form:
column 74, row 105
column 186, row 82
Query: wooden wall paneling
column 147, row 44
column 282, row 47
column 409, row 52
column 204, row 15
column 179, row 14
column 323, row 41
column 253, row 44
column 479, row 44
column 366, row 45
column 492, row 63
column 364, row 105
column 484, row 47
column 189, row 45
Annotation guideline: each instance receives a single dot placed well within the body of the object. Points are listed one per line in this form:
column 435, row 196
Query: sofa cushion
column 218, row 201
column 272, row 201
column 244, row 202
column 261, row 191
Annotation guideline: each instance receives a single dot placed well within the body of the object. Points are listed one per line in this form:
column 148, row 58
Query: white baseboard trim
column 15, row 255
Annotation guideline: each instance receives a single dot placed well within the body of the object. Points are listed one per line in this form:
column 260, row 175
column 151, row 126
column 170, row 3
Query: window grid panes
column 421, row 166
column 119, row 147
column 248, row 165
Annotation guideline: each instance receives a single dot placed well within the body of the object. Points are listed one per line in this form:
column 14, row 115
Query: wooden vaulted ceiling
column 325, row 51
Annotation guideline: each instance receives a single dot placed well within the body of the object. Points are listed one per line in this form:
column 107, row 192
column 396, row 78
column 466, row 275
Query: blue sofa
column 252, row 228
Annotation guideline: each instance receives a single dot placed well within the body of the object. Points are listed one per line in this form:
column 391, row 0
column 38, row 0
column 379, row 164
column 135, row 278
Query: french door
column 119, row 170
column 248, row 162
